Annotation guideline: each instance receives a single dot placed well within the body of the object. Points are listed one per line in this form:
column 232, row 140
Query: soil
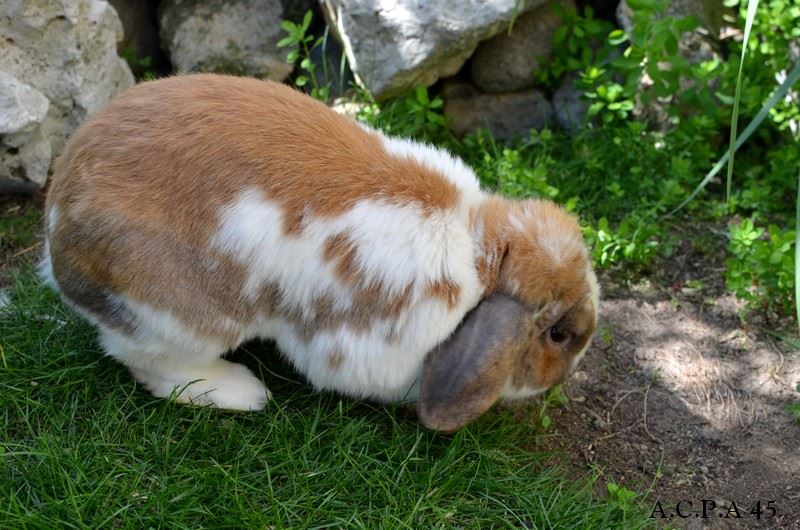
column 678, row 399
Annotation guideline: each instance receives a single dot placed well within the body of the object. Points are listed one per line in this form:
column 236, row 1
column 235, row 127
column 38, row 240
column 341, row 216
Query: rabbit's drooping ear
column 465, row 375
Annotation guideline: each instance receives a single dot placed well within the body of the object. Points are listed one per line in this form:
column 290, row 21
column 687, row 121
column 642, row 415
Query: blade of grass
column 797, row 256
column 751, row 14
column 781, row 91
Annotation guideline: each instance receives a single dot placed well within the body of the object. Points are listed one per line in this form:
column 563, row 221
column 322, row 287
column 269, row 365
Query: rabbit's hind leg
column 196, row 376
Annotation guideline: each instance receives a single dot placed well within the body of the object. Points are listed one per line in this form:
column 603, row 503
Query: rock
column 22, row 107
column 65, row 52
column 506, row 62
column 504, row 115
column 395, row 46
column 24, row 151
column 569, row 106
column 225, row 36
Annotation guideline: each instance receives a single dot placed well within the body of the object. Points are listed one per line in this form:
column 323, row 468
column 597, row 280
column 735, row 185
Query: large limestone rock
column 60, row 64
column 394, row 46
column 225, row 36
column 25, row 152
column 507, row 62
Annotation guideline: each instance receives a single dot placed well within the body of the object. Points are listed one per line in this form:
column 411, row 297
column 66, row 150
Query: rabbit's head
column 532, row 327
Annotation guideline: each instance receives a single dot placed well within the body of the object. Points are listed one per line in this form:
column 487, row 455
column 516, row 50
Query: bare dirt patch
column 677, row 397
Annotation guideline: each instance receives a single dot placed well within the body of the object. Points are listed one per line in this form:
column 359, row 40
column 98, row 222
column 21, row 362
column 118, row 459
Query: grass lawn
column 82, row 446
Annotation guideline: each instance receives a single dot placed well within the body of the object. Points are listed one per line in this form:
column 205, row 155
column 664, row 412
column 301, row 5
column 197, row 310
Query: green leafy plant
column 621, row 497
column 553, row 398
column 794, row 408
column 575, row 44
column 505, row 170
column 609, row 100
column 633, row 240
column 761, row 269
column 415, row 115
column 652, row 50
column 142, row 67
column 302, row 45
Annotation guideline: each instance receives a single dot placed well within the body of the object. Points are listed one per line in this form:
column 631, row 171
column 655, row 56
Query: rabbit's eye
column 558, row 335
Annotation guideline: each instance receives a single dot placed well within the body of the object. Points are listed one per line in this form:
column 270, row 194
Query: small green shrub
column 142, row 67
column 761, row 271
column 302, row 45
column 633, row 240
column 506, row 171
column 621, row 497
column 794, row 408
column 574, row 45
column 415, row 115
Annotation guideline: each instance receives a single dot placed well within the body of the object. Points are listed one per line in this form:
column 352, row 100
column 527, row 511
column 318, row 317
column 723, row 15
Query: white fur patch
column 512, row 393
column 160, row 337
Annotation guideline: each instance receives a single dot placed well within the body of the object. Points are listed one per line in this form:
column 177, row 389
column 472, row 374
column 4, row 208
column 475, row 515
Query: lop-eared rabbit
column 198, row 212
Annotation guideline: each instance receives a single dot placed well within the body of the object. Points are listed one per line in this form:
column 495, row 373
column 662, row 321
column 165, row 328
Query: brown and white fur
column 197, row 212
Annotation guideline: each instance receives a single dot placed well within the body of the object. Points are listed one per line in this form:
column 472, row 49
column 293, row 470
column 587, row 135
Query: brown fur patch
column 446, row 290
column 335, row 360
column 139, row 261
column 342, row 250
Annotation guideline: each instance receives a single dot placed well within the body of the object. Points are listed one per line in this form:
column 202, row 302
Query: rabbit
column 197, row 212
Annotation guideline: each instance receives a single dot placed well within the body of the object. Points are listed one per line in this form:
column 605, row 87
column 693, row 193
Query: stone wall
column 60, row 60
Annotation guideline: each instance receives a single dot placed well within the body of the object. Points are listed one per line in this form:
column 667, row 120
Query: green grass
column 82, row 446
column 19, row 224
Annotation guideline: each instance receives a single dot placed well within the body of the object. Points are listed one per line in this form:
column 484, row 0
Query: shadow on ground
column 676, row 395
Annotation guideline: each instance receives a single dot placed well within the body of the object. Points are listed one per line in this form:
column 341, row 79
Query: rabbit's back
column 197, row 212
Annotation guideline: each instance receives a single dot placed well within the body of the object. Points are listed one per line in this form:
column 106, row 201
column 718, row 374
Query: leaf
column 751, row 14
column 592, row 27
column 671, row 44
column 617, row 37
column 797, row 263
column 572, row 46
column 307, row 20
column 421, row 95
